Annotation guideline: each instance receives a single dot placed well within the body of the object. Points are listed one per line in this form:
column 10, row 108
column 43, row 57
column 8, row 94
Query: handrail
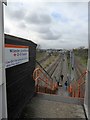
column 73, row 88
column 44, row 70
column 37, row 76
column 41, row 72
column 81, row 77
column 47, row 83
column 43, row 81
column 79, row 85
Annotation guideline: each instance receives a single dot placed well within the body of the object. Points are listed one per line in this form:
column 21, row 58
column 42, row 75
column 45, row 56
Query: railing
column 44, row 70
column 43, row 81
column 76, row 88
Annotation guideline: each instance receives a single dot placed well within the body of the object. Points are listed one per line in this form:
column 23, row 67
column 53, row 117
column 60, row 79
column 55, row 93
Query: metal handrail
column 44, row 70
column 42, row 73
column 46, row 81
column 79, row 84
column 80, row 77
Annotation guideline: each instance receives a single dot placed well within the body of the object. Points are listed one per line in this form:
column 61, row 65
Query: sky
column 52, row 25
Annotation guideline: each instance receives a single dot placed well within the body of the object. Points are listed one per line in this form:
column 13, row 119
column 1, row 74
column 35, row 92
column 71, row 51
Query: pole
column 3, row 101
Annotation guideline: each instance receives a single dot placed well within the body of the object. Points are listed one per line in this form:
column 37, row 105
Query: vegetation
column 68, row 60
column 82, row 55
column 40, row 55
column 49, row 61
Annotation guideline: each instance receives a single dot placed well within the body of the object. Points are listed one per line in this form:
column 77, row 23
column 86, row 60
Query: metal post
column 87, row 90
column 3, row 101
column 70, row 63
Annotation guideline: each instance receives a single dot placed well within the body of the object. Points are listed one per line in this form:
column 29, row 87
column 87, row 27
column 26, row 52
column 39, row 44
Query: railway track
column 44, row 59
column 53, row 67
column 53, row 72
column 79, row 70
column 48, row 73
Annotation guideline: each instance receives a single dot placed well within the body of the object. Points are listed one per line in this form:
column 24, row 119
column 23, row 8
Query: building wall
column 19, row 79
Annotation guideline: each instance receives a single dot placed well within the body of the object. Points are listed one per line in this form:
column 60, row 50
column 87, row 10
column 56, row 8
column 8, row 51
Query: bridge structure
column 50, row 99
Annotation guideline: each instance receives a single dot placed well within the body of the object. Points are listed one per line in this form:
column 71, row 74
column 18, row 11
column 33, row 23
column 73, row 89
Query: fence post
column 70, row 90
column 79, row 90
column 74, row 93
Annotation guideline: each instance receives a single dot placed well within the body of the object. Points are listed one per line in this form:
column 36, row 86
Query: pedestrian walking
column 62, row 77
column 66, row 84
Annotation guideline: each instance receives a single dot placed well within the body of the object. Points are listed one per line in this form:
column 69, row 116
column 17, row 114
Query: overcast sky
column 50, row 24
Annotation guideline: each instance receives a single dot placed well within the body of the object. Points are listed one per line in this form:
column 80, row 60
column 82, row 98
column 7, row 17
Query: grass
column 68, row 61
column 82, row 55
column 40, row 55
column 49, row 61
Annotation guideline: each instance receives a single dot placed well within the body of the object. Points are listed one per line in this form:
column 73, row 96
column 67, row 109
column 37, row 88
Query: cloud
column 53, row 25
column 47, row 32
column 17, row 14
column 38, row 18
column 43, row 29
column 22, row 25
column 51, row 35
column 59, row 17
column 7, row 30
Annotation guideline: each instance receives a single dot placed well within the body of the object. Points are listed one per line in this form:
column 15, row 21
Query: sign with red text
column 15, row 55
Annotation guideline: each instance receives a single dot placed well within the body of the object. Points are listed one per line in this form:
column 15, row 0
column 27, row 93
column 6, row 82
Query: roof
column 18, row 39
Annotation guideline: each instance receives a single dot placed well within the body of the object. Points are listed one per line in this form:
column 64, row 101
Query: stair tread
column 40, row 108
column 60, row 98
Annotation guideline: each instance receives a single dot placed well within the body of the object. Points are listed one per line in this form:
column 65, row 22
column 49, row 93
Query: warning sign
column 15, row 55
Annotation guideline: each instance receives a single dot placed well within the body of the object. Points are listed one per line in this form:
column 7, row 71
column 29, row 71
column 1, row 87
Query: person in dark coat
column 66, row 84
column 62, row 77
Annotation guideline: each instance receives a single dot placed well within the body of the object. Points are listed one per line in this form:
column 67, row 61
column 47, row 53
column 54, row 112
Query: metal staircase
column 43, row 81
column 47, row 104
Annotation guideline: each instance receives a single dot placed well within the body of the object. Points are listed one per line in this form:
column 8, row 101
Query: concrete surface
column 62, row 91
column 39, row 108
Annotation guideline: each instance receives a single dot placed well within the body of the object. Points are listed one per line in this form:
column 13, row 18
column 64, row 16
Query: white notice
column 15, row 55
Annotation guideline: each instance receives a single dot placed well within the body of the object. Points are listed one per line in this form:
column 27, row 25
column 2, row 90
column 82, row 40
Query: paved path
column 64, row 69
column 62, row 90
column 38, row 108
